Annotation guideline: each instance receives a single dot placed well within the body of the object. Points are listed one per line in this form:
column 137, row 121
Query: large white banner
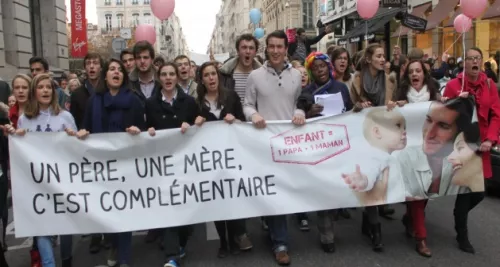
column 118, row 182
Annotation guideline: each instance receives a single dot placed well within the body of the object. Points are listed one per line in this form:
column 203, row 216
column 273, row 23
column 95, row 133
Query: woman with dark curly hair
column 216, row 103
column 417, row 85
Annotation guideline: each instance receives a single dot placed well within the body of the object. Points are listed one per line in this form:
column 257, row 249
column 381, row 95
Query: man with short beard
column 185, row 80
column 127, row 58
column 271, row 94
column 143, row 77
column 234, row 72
column 92, row 64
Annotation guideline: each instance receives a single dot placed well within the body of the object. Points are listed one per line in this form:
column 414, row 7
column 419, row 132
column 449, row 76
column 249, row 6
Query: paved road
column 352, row 249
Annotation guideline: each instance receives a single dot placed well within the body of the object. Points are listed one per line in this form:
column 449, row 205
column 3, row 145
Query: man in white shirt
column 271, row 94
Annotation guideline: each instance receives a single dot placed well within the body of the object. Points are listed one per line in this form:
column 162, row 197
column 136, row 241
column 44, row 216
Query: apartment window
column 135, row 18
column 109, row 26
column 107, row 2
column 341, row 2
column 119, row 2
column 147, row 18
column 119, row 20
column 307, row 14
column 135, row 2
column 36, row 27
column 146, row 2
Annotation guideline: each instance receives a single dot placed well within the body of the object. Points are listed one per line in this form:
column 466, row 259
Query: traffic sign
column 118, row 44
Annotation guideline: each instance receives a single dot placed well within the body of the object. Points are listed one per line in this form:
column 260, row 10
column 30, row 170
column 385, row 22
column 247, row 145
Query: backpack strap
column 488, row 81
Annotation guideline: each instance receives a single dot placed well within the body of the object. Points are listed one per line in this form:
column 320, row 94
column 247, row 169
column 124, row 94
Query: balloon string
column 463, row 73
column 448, row 49
column 366, row 33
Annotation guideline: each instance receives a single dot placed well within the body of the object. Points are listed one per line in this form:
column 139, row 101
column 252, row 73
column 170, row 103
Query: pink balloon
column 162, row 9
column 473, row 8
column 367, row 8
column 462, row 23
column 145, row 32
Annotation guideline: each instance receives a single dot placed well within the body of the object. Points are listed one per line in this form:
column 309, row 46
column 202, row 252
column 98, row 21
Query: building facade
column 114, row 15
column 32, row 28
column 439, row 35
column 233, row 20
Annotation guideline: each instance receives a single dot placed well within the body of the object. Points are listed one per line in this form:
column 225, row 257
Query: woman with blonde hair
column 20, row 89
column 73, row 84
column 372, row 87
column 43, row 114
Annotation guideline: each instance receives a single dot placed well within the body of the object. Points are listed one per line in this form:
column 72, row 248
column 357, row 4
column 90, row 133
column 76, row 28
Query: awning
column 379, row 22
column 493, row 11
column 371, row 26
column 440, row 12
column 452, row 18
column 358, row 30
column 418, row 11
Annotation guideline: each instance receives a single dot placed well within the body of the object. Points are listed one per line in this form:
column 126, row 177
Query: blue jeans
column 278, row 230
column 66, row 246
column 123, row 243
column 44, row 244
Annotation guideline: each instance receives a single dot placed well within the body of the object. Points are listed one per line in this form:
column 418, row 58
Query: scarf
column 89, row 86
column 415, row 96
column 109, row 112
column 374, row 87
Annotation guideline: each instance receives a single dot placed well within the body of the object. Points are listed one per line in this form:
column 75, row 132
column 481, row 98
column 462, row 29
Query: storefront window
column 494, row 37
column 424, row 42
column 451, row 43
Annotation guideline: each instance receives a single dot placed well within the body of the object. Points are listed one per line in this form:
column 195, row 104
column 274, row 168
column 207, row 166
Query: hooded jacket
column 487, row 106
column 227, row 70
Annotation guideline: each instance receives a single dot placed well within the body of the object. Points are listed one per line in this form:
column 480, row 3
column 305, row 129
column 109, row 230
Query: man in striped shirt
column 235, row 71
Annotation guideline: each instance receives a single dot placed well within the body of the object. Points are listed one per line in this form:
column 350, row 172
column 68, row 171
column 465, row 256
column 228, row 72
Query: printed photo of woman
column 466, row 160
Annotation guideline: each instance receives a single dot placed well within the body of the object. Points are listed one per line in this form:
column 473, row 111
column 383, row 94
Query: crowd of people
column 142, row 93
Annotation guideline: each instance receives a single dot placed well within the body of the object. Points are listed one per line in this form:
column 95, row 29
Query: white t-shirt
column 46, row 121
column 374, row 166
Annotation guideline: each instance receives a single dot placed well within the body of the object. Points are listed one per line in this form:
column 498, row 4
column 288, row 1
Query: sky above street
column 197, row 20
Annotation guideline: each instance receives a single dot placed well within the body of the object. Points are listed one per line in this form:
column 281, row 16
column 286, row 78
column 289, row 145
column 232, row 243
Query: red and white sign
column 311, row 145
column 79, row 44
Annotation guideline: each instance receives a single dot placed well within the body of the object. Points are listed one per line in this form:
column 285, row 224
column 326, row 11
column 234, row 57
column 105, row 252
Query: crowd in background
column 141, row 92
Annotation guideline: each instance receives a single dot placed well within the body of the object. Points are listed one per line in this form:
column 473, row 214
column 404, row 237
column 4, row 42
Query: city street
column 352, row 249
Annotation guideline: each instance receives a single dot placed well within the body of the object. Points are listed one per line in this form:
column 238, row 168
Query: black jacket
column 78, row 104
column 136, row 86
column 308, row 42
column 231, row 105
column 161, row 115
column 4, row 92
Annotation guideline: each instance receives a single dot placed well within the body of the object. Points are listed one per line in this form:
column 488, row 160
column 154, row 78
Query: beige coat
column 357, row 94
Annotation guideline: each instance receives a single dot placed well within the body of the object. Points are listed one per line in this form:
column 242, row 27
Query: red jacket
column 14, row 114
column 486, row 100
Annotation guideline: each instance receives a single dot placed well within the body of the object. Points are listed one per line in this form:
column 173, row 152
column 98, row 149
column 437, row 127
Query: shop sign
column 415, row 23
column 354, row 39
column 393, row 3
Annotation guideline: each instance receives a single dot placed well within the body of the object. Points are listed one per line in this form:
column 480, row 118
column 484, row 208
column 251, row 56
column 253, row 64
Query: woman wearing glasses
column 475, row 82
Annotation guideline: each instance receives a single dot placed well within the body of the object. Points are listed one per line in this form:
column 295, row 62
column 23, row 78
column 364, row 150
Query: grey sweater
column 272, row 95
